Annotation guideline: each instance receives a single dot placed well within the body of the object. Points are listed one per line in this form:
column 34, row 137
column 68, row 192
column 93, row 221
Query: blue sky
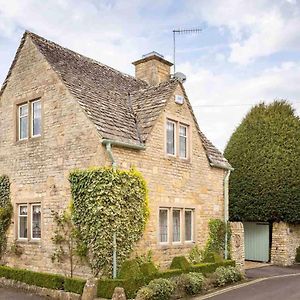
column 247, row 52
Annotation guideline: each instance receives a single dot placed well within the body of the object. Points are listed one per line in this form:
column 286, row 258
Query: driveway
column 270, row 282
column 11, row 294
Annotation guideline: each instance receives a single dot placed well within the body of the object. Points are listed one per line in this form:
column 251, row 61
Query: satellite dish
column 180, row 76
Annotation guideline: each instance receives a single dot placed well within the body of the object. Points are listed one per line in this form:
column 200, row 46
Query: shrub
column 145, row 293
column 169, row 273
column 297, row 258
column 46, row 280
column 224, row 275
column 130, row 269
column 180, row 262
column 148, row 270
column 106, row 287
column 195, row 255
column 192, row 283
column 74, row 285
column 206, row 268
column 212, row 257
column 162, row 289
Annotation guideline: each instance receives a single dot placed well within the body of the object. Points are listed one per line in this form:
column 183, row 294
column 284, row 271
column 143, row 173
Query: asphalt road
column 11, row 294
column 287, row 288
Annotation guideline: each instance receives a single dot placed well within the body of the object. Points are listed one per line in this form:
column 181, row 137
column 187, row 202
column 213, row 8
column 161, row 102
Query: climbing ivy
column 216, row 240
column 6, row 210
column 108, row 202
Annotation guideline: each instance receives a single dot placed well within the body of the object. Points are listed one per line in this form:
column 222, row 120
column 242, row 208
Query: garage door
column 257, row 241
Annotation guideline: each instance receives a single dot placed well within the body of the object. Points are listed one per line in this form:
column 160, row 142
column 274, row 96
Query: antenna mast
column 181, row 31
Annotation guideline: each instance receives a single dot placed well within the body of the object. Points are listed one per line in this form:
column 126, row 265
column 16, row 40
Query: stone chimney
column 152, row 68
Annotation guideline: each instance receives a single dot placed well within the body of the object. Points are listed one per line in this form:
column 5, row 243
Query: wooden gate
column 257, row 241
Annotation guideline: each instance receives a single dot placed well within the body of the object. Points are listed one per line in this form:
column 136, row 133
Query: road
column 287, row 288
column 11, row 294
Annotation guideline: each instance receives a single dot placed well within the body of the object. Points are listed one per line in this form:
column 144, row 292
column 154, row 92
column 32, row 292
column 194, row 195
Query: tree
column 265, row 153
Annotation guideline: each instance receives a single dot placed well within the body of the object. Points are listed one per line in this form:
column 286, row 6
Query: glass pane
column 188, row 225
column 176, row 225
column 163, row 225
column 23, row 128
column 23, row 210
column 182, row 130
column 170, row 138
column 23, row 227
column 36, row 221
column 36, row 118
column 182, row 146
column 24, row 110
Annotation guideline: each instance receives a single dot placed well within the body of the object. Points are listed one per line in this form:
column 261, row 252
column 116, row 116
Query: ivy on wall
column 6, row 211
column 107, row 202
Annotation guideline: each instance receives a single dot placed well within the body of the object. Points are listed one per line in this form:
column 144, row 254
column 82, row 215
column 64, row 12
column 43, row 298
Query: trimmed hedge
column 74, row 285
column 207, row 268
column 180, row 262
column 132, row 285
column 50, row 281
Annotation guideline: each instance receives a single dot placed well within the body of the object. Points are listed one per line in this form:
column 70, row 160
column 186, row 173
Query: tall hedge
column 265, row 153
column 5, row 212
column 108, row 202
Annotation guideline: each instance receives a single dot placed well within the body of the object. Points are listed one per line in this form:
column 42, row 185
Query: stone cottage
column 60, row 110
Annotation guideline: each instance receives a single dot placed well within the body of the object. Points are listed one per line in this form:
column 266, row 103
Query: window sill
column 178, row 159
column 28, row 140
column 175, row 245
column 26, row 241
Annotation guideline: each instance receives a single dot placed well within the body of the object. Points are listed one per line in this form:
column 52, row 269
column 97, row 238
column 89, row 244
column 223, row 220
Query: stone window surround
column 182, row 243
column 31, row 97
column 178, row 121
column 29, row 238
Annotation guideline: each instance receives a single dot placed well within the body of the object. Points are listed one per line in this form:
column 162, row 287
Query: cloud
column 257, row 28
column 221, row 100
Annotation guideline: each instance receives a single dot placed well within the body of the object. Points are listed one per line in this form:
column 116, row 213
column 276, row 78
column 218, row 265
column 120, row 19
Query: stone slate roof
column 121, row 107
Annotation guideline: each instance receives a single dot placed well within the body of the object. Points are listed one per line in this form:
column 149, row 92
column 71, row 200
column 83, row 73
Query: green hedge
column 206, row 268
column 50, row 281
column 74, row 285
column 180, row 262
column 131, row 285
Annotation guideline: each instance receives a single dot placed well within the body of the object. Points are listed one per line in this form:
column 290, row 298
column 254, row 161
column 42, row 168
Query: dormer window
column 29, row 120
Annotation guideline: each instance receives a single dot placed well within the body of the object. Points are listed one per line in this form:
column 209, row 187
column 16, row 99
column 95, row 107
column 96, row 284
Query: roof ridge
column 49, row 42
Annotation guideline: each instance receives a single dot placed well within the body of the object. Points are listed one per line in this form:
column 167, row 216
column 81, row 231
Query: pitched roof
column 121, row 107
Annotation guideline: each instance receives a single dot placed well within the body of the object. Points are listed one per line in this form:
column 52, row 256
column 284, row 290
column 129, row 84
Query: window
column 22, row 230
column 163, row 225
column 23, row 122
column 188, row 217
column 176, row 225
column 36, row 222
column 181, row 223
column 177, row 137
column 182, row 141
column 36, row 118
column 29, row 120
column 29, row 217
column 170, row 137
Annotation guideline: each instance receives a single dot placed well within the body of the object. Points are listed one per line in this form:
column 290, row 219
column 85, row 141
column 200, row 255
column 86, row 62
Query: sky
column 246, row 53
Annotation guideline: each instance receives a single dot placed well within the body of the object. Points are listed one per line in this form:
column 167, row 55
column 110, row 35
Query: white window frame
column 19, row 217
column 180, row 226
column 32, row 119
column 175, row 137
column 168, row 226
column 31, row 222
column 186, row 141
column 192, row 225
column 19, row 121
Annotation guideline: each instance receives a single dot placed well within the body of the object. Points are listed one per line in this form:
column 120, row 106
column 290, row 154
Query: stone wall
column 237, row 244
column 285, row 241
column 39, row 168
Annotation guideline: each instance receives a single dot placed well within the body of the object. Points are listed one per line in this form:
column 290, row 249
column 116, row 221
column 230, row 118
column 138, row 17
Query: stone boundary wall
column 237, row 244
column 285, row 241
column 55, row 294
